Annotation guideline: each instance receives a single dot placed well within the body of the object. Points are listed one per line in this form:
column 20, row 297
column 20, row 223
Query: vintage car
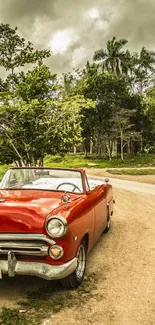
column 50, row 218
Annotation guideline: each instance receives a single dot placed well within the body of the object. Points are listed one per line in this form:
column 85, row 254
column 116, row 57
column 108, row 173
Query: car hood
column 26, row 210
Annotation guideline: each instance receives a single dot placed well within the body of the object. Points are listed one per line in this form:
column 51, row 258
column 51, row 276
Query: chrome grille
column 22, row 248
column 25, row 244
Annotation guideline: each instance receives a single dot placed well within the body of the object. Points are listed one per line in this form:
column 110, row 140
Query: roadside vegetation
column 78, row 160
column 92, row 161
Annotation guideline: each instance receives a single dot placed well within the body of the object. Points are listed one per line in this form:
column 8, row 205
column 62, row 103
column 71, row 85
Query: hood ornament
column 66, row 198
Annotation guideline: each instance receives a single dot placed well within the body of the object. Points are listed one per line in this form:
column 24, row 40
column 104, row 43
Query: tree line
column 108, row 107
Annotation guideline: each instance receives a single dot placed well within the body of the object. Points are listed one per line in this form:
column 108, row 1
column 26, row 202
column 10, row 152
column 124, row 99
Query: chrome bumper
column 42, row 270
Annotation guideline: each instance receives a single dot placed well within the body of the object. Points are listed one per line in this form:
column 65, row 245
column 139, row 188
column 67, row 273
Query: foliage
column 106, row 107
column 115, row 105
column 14, row 52
column 144, row 68
column 113, row 59
column 124, row 128
column 37, row 83
column 33, row 129
column 3, row 169
column 150, row 106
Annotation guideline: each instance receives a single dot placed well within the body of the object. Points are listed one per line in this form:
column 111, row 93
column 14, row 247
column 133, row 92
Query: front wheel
column 108, row 222
column 76, row 278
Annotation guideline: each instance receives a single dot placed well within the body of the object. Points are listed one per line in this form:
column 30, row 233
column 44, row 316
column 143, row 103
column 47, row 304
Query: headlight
column 56, row 226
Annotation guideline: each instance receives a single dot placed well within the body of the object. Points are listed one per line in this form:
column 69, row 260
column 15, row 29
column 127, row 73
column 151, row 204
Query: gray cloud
column 16, row 10
column 135, row 22
column 39, row 20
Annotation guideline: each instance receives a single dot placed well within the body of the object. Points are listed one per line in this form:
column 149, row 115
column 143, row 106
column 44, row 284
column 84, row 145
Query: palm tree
column 113, row 59
column 128, row 62
column 144, row 67
column 146, row 60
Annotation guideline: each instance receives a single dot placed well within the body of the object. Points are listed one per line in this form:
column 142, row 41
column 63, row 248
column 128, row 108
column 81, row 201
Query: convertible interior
column 47, row 179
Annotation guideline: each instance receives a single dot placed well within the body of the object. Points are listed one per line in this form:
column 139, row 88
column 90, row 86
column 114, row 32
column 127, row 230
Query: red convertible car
column 50, row 218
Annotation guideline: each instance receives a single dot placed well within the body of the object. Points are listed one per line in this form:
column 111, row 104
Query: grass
column 49, row 300
column 131, row 171
column 78, row 160
column 12, row 317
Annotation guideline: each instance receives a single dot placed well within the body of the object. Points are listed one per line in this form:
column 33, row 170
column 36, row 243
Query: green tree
column 144, row 68
column 35, row 129
column 108, row 91
column 124, row 129
column 150, row 105
column 15, row 52
column 149, row 108
column 38, row 83
column 66, row 84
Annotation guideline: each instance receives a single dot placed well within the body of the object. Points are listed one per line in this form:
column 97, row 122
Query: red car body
column 24, row 214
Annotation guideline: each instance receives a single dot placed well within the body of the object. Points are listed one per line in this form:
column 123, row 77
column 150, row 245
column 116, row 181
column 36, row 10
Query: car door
column 98, row 199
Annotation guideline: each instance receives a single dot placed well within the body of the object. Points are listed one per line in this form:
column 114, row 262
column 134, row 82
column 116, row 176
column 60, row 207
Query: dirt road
column 128, row 185
column 120, row 273
column 149, row 179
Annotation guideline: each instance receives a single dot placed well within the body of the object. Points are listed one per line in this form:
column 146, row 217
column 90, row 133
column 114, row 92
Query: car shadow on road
column 14, row 289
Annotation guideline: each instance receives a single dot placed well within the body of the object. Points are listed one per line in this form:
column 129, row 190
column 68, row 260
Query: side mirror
column 106, row 180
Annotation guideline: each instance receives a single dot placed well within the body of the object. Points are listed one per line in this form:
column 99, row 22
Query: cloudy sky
column 74, row 29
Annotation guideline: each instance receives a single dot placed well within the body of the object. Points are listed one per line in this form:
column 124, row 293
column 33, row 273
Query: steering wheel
column 68, row 183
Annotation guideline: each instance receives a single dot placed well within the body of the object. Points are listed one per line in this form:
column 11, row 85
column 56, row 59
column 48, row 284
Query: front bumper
column 13, row 267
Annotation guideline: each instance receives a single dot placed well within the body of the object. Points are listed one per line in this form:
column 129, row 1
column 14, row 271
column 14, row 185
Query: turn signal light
column 56, row 252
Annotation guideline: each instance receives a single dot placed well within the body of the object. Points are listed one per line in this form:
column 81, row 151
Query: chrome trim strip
column 22, row 248
column 42, row 270
column 8, row 236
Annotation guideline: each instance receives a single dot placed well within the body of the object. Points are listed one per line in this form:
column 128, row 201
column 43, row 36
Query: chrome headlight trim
column 62, row 220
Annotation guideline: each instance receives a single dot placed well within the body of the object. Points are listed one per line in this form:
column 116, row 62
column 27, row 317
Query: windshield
column 43, row 179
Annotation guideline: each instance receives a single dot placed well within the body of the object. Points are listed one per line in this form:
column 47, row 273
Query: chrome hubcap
column 81, row 256
column 109, row 222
